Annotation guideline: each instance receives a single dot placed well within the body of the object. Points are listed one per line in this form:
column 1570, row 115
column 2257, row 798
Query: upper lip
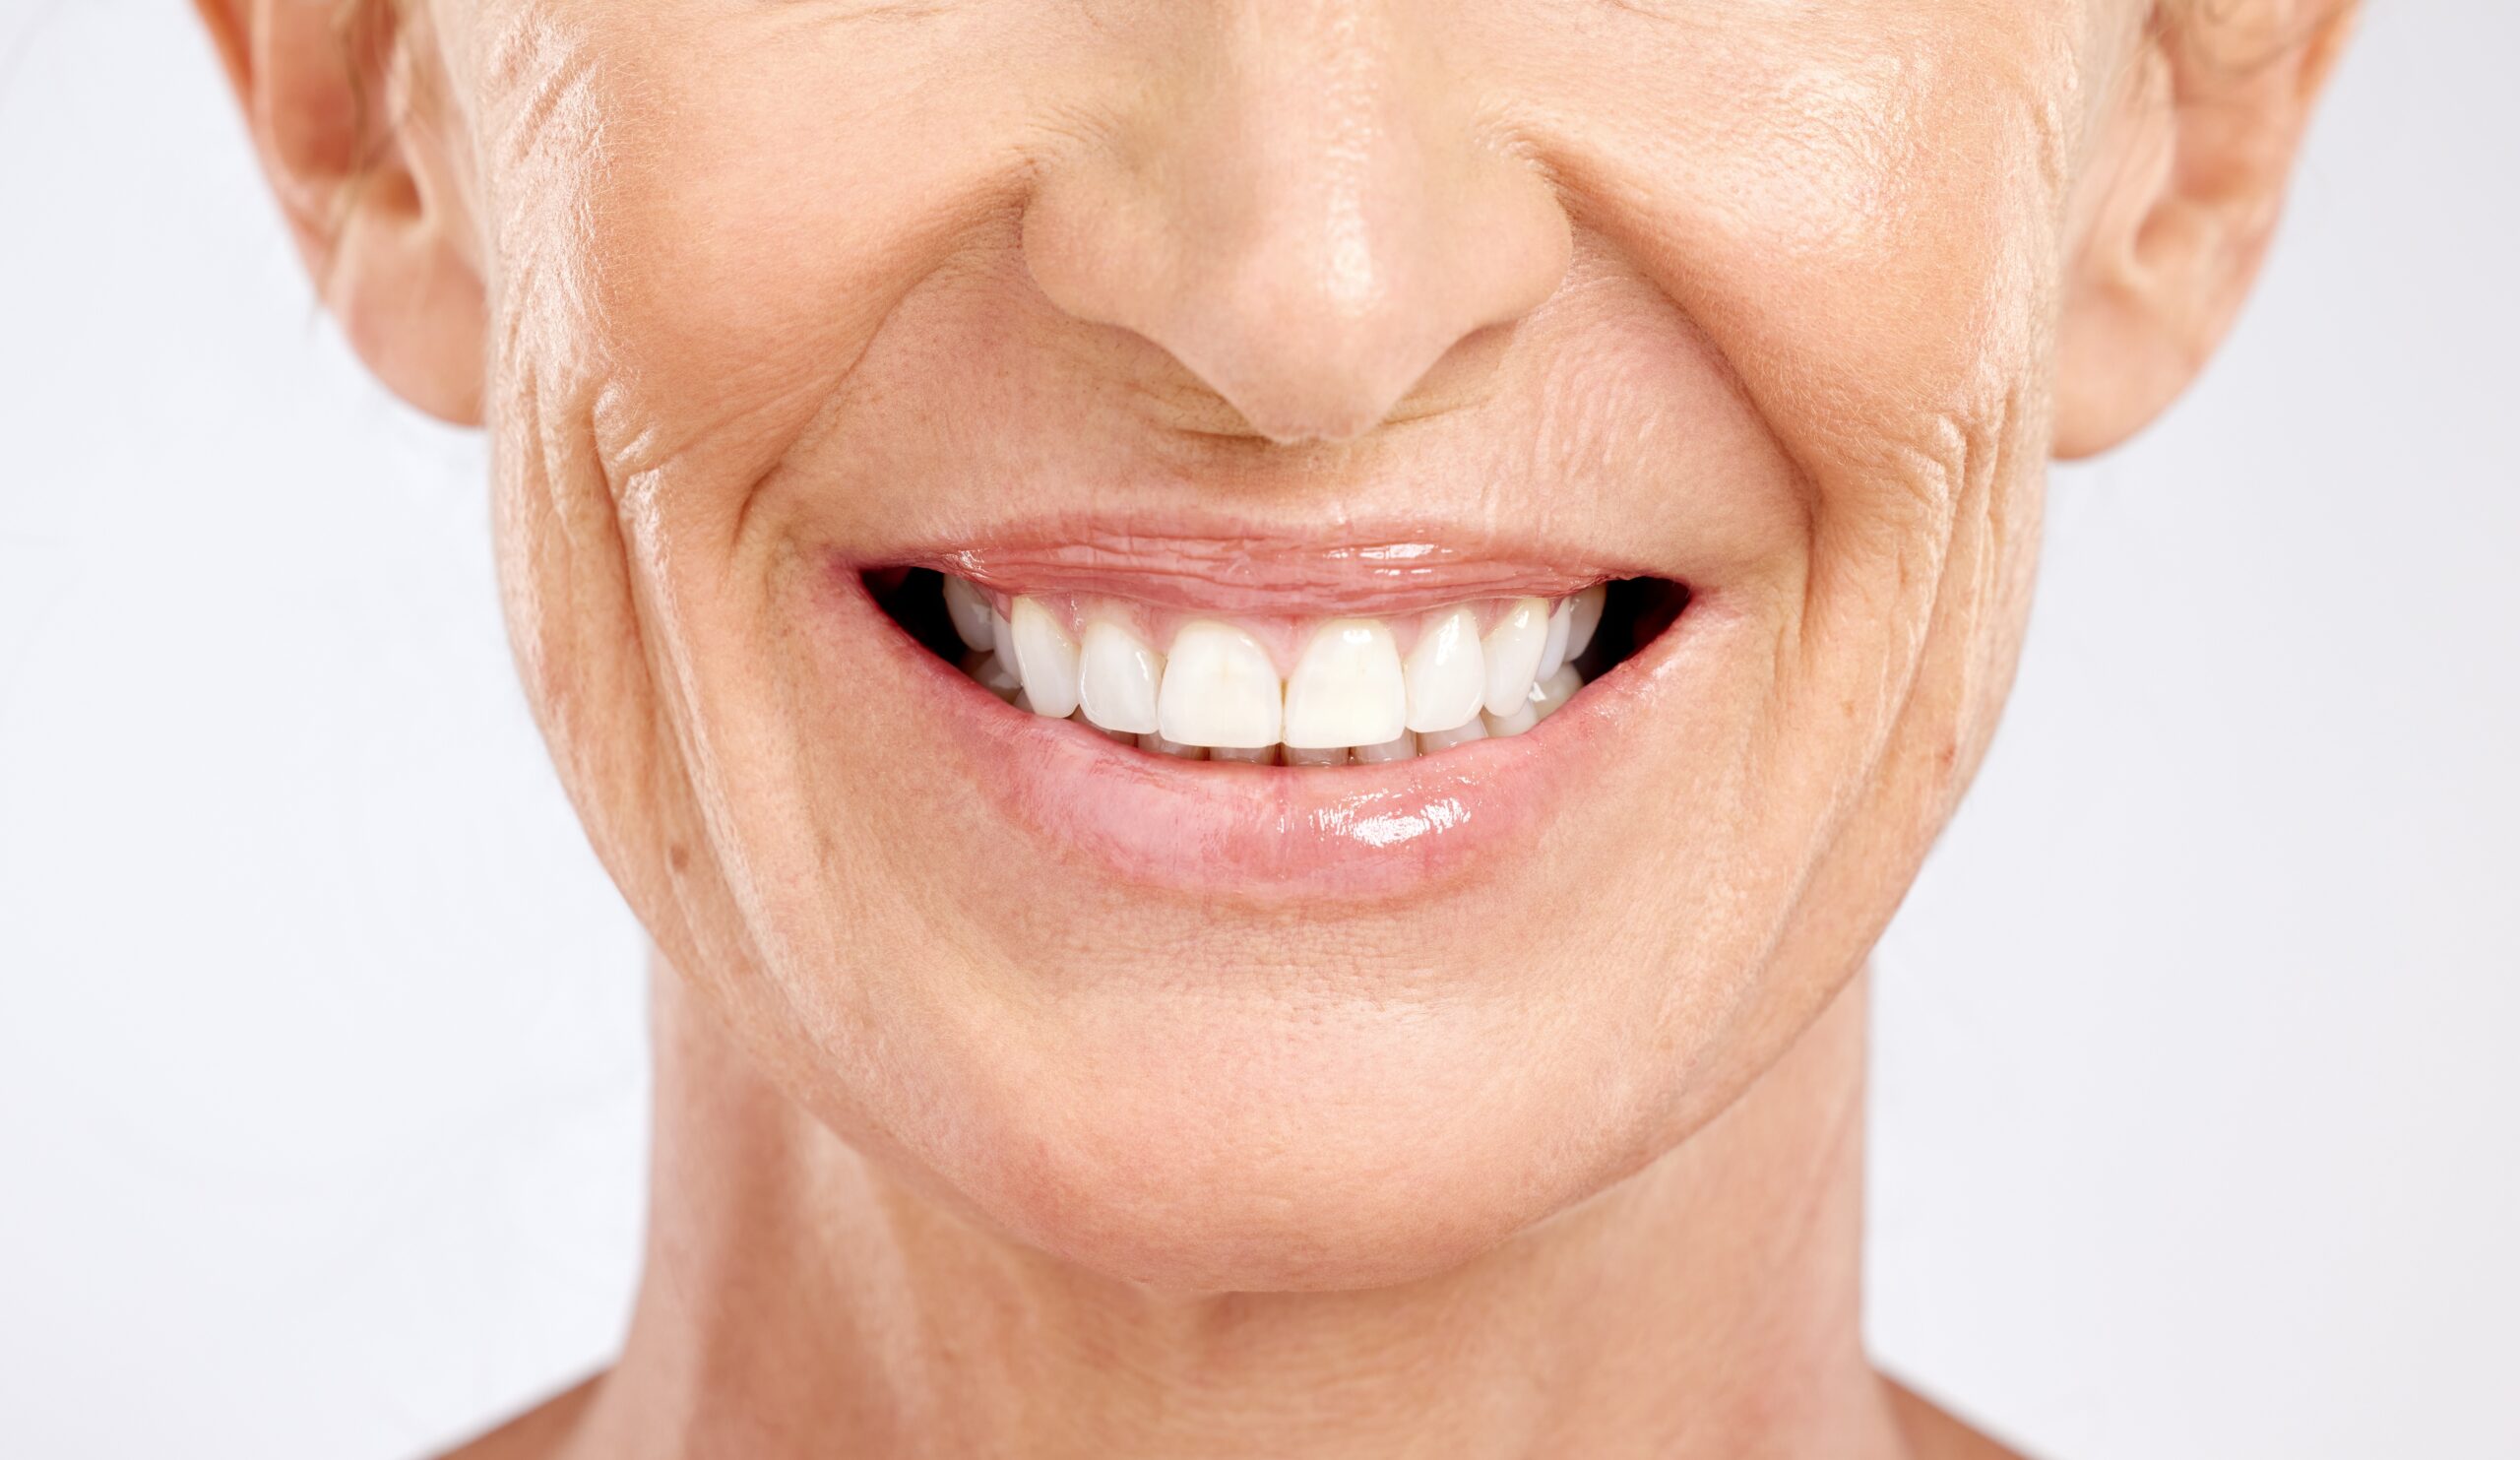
column 1261, row 570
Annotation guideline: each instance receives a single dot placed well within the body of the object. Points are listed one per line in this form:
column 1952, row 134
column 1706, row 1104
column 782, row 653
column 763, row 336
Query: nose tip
column 1311, row 241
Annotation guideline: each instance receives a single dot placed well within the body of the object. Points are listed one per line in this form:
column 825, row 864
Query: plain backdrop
column 321, row 1064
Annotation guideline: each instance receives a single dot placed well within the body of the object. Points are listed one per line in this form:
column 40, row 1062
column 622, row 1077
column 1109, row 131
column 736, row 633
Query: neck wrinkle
column 798, row 1302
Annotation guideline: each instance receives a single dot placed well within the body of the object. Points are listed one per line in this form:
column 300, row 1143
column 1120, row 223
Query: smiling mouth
column 1310, row 691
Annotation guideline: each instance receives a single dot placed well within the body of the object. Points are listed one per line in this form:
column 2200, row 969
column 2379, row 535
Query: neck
column 799, row 1300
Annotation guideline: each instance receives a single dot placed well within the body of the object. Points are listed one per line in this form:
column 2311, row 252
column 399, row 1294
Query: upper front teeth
column 1347, row 689
column 1220, row 690
column 1045, row 659
column 1513, row 648
column 1446, row 672
column 1117, row 679
column 1352, row 691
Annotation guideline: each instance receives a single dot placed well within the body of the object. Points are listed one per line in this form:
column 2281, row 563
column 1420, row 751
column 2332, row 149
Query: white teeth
column 1588, row 618
column 1353, row 699
column 1512, row 652
column 1123, row 737
column 1403, row 748
column 1548, row 695
column 1347, row 689
column 1047, row 659
column 1446, row 672
column 970, row 610
column 1523, row 718
column 1553, row 652
column 1462, row 734
column 1220, row 690
column 1116, row 678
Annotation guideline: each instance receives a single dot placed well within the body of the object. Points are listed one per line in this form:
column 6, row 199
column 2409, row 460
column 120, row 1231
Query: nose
column 1300, row 208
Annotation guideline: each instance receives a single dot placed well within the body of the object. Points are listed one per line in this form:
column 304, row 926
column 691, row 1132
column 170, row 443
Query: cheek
column 770, row 191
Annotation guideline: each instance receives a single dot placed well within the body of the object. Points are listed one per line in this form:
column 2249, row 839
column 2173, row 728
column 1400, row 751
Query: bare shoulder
column 1935, row 1433
column 536, row 1434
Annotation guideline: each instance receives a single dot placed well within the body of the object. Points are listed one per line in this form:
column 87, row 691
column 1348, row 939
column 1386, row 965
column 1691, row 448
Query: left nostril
column 1314, row 255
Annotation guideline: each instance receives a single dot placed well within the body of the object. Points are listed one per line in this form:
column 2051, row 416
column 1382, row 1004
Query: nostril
column 1314, row 256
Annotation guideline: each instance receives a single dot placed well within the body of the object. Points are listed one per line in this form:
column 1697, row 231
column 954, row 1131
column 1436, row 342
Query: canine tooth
column 1220, row 690
column 1512, row 652
column 1258, row 755
column 994, row 676
column 1430, row 742
column 1116, row 678
column 1553, row 652
column 970, row 610
column 1446, row 672
column 1403, row 748
column 1587, row 618
column 1551, row 693
column 1299, row 755
column 1163, row 746
column 1523, row 717
column 1047, row 659
column 1347, row 688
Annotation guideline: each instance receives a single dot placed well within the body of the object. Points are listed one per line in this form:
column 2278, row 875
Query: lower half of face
column 1207, row 817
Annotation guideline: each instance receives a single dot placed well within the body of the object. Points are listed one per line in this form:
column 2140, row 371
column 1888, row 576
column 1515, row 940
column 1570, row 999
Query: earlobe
column 328, row 96
column 2176, row 212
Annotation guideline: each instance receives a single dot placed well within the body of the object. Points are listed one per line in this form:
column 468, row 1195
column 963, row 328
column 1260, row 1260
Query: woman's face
column 1268, row 314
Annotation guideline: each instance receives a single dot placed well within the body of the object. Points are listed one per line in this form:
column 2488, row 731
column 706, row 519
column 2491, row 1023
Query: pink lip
column 1223, row 573
column 1265, row 834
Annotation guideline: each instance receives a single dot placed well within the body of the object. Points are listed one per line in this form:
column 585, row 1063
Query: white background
column 321, row 1074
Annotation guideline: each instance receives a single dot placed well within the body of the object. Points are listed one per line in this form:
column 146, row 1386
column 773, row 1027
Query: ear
column 335, row 101
column 2172, row 219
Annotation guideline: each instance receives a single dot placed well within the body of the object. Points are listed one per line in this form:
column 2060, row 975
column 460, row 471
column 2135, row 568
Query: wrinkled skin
column 1791, row 301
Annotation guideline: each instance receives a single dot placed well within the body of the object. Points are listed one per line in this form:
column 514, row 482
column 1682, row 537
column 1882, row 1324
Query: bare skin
column 992, row 1119
column 1735, row 1332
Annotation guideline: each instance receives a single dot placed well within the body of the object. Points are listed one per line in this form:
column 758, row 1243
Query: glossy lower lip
column 1276, row 834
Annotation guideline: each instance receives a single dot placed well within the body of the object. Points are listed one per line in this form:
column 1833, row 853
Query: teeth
column 1447, row 676
column 1404, row 749
column 1587, row 618
column 1347, row 689
column 1220, row 690
column 1512, row 653
column 1555, row 691
column 1523, row 717
column 1460, row 734
column 1353, row 697
column 1116, row 678
column 1123, row 737
column 970, row 610
column 1553, row 651
column 1047, row 659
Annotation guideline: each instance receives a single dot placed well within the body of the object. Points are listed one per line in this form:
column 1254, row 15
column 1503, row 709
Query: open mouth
column 1275, row 690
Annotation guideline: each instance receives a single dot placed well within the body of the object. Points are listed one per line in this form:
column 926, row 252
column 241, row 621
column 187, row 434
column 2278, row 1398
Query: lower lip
column 1256, row 834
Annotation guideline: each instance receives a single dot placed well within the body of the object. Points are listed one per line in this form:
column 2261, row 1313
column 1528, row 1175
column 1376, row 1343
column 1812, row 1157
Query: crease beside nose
column 1310, row 259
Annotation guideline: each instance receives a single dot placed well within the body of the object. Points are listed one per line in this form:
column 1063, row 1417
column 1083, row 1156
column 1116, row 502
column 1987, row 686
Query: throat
column 799, row 1300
